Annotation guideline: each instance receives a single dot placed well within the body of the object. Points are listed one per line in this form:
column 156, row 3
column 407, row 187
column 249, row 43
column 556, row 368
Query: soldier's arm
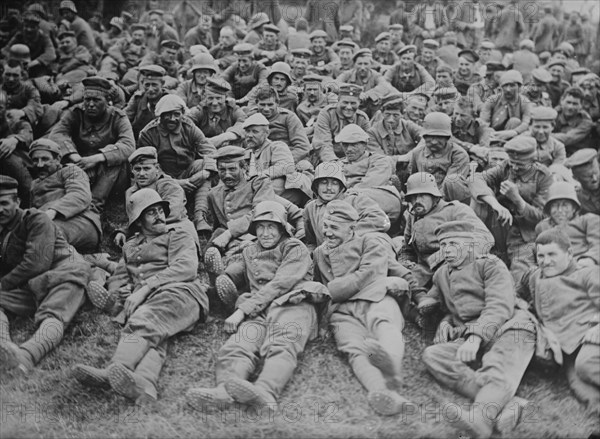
column 378, row 174
column 533, row 212
column 310, row 237
column 33, row 110
column 299, row 144
column 62, row 133
column 262, row 191
column 115, row 51
column 282, row 162
column 559, row 155
column 577, row 134
column 124, row 145
column 371, row 218
column 48, row 56
column 78, row 195
column 590, row 225
column 23, row 133
column 323, row 138
column 459, row 164
column 203, row 147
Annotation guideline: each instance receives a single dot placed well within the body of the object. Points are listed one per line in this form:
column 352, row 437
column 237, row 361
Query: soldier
column 407, row 76
column 444, row 76
column 193, row 91
column 510, row 199
column 508, row 113
column 182, row 153
column 465, row 75
column 396, row 31
column 20, row 94
column 127, row 52
column 382, row 54
column 546, row 31
column 366, row 320
column 40, row 275
column 468, row 132
column 115, row 32
column 63, row 193
column 427, row 57
column 255, row 26
column 41, row 47
column 161, row 267
column 140, row 108
column 485, row 319
column 222, row 52
column 415, row 107
column 201, row 33
column 550, row 152
column 74, row 61
column 562, row 212
column 584, row 165
column 330, row 184
column 217, row 117
column 314, row 100
column 165, row 57
column 574, row 127
column 280, row 79
column 590, row 86
column 444, row 99
column 98, row 138
column 537, row 86
column 269, row 49
column 299, row 63
column 245, row 73
column 557, row 86
column 160, row 31
column 482, row 91
column 322, row 59
column 333, row 118
column 565, row 299
column 83, row 31
column 525, row 60
column 16, row 135
column 277, row 270
column 346, row 50
column 284, row 125
column 439, row 155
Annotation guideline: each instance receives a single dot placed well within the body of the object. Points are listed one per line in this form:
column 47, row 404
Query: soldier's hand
column 119, row 239
column 186, row 185
column 592, row 335
column 467, row 352
column 222, row 240
column 51, row 213
column 504, row 216
column 585, row 262
column 233, row 321
column 7, row 146
column 91, row 161
column 443, row 333
column 135, row 300
column 510, row 190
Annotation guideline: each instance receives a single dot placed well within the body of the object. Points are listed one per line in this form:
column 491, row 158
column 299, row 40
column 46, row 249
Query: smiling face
column 348, row 105
column 462, row 117
column 268, row 233
column 318, row 45
column 588, row 176
column 171, row 120
column 552, row 259
column 465, row 67
column 45, row 163
column 570, row 105
column 267, row 107
column 337, row 232
column 415, row 110
column 562, row 211
column 328, row 188
column 215, row 102
column 153, row 220
column 152, row 87
column 541, row 130
column 427, row 54
column 244, row 63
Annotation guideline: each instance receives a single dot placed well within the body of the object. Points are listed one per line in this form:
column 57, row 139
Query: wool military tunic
column 243, row 82
column 286, row 127
column 371, row 170
column 230, row 119
column 419, row 79
column 590, row 201
column 452, row 160
column 576, row 133
column 583, row 232
column 496, row 111
column 140, row 111
column 400, row 141
column 27, row 98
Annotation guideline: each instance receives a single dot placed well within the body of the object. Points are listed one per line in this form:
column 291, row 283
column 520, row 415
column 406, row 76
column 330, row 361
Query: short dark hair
column 554, row 236
column 575, row 92
column 267, row 93
column 13, row 63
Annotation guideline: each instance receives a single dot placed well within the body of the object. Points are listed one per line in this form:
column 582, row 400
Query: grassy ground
column 323, row 399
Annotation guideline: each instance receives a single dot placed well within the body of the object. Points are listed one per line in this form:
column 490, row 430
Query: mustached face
column 153, row 220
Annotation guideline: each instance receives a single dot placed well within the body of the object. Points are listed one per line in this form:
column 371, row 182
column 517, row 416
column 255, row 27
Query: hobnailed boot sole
column 91, row 376
column 213, row 261
column 13, row 358
column 123, row 382
column 226, row 290
column 387, row 403
column 509, row 417
column 99, row 296
column 245, row 392
column 383, row 361
column 200, row 398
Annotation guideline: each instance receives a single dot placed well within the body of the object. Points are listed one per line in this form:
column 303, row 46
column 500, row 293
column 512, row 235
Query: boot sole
column 99, row 296
column 200, row 399
column 9, row 356
column 245, row 392
column 226, row 290
column 382, row 360
column 509, row 418
column 88, row 378
column 385, row 404
column 122, row 381
column 213, row 261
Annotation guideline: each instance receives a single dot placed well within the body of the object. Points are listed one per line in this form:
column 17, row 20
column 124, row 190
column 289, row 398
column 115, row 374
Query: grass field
column 323, row 399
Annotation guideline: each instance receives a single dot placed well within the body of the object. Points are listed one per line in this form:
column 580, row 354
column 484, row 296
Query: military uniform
column 325, row 61
column 123, row 52
column 140, row 111
column 472, row 134
column 583, row 232
column 286, row 127
column 496, row 113
column 462, row 83
column 576, row 133
column 229, row 120
column 307, row 111
column 40, row 46
column 430, row 66
column 191, row 93
column 112, row 136
column 223, row 55
column 385, row 58
column 27, row 98
column 373, row 86
column 556, row 90
column 479, row 93
column 393, row 143
column 153, row 58
column 584, row 164
column 17, row 164
column 419, row 81
column 242, row 83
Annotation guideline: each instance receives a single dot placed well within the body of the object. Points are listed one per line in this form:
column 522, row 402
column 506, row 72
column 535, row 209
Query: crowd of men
column 445, row 174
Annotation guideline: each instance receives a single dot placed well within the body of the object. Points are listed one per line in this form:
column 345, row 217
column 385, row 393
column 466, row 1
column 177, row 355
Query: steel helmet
column 270, row 211
column 329, row 170
column 140, row 201
column 561, row 190
column 437, row 124
column 203, row 61
column 282, row 68
column 422, row 183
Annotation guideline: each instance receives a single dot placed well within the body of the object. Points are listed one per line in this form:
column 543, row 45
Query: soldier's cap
column 143, row 153
column 230, row 153
column 67, row 4
column 581, row 157
column 66, row 34
column 393, row 101
column 269, row 211
column 396, row 26
column 487, row 44
column 301, row 53
column 271, row 28
column 541, row 75
column 407, row 49
column 341, row 212
column 45, row 145
column 493, row 66
column 453, row 229
column 445, row 93
column 243, row 49
column 19, row 51
column 31, row 16
column 153, row 70
column 469, row 55
column 168, row 103
column 561, row 190
column 544, row 55
column 141, row 200
column 171, row 44
column 350, row 90
column 38, row 9
column 444, row 68
column 589, row 77
column 313, row 78
column 362, row 52
column 351, row 133
column 580, row 71
column 345, row 43
column 418, row 96
column 138, row 26
column 521, row 147
column 556, row 62
column 258, row 20
column 566, row 48
column 382, row 36
column 497, row 144
column 8, row 185
column 431, row 44
column 217, row 86
column 255, row 119
column 543, row 113
column 96, row 86
column 511, row 77
column 317, row 34
column 117, row 22
column 346, row 28
column 127, row 16
column 526, row 44
column 157, row 12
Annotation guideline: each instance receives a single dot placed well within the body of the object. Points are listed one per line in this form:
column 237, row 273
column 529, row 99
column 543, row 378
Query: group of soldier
column 449, row 179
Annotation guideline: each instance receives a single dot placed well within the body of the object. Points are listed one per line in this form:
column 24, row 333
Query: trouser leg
column 200, row 195
column 150, row 366
column 48, row 335
column 80, row 233
column 105, row 180
column 522, row 258
column 387, row 329
column 582, row 369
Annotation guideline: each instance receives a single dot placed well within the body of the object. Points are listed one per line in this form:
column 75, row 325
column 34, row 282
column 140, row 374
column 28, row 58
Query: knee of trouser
column 431, row 355
column 585, row 366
